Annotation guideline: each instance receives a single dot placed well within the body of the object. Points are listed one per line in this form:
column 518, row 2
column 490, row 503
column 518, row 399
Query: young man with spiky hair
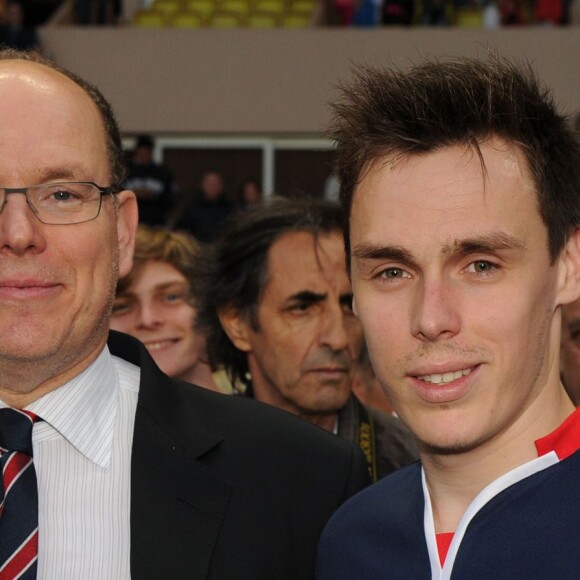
column 461, row 183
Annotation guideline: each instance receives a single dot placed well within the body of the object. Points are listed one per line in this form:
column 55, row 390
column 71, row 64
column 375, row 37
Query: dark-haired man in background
column 570, row 350
column 277, row 303
column 152, row 183
column 460, row 181
column 204, row 215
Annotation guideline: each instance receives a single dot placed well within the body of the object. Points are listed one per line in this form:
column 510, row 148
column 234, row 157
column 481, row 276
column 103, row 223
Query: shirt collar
column 84, row 410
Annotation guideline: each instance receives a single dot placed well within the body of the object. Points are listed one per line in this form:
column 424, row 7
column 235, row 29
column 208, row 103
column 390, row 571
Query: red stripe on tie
column 21, row 559
column 15, row 466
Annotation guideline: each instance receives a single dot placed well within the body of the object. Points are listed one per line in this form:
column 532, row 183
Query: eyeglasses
column 72, row 202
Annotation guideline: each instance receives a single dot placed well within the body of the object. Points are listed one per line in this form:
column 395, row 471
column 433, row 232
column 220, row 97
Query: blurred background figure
column 331, row 190
column 204, row 215
column 14, row 31
column 435, row 13
column 570, row 338
column 98, row 12
column 570, row 350
column 152, row 183
column 249, row 193
column 153, row 303
column 366, row 387
column 576, row 124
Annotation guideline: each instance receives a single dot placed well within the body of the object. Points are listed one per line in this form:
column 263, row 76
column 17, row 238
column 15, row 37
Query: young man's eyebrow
column 372, row 252
column 172, row 284
column 485, row 243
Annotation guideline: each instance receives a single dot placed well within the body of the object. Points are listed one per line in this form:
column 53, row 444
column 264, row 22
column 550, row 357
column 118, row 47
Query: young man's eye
column 394, row 273
column 175, row 297
column 481, row 266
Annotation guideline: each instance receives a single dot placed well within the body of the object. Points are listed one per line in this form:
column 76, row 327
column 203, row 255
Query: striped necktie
column 18, row 497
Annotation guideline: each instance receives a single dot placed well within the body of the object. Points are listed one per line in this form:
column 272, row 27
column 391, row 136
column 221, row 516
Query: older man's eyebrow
column 307, row 297
column 68, row 173
column 484, row 244
column 346, row 300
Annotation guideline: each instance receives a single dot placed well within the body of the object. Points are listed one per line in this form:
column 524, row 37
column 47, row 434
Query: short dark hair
column 112, row 133
column 144, row 141
column 233, row 272
column 391, row 113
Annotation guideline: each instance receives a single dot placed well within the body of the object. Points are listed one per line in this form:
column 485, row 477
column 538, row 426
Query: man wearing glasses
column 111, row 469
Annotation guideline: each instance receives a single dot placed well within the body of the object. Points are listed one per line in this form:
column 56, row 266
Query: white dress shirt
column 82, row 456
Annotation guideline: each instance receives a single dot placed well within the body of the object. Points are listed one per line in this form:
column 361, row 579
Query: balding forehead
column 51, row 126
column 41, row 83
column 36, row 75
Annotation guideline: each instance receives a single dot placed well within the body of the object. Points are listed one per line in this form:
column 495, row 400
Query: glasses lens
column 65, row 203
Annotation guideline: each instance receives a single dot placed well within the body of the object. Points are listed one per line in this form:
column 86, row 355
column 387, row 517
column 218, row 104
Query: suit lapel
column 177, row 508
column 177, row 503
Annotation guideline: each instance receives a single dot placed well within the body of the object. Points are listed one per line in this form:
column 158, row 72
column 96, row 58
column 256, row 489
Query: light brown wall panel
column 275, row 81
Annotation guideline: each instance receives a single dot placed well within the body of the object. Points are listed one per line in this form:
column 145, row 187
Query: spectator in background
column 152, row 183
column 98, row 12
column 334, row 12
column 331, row 191
column 435, row 13
column 570, row 339
column 14, row 31
column 512, row 13
column 249, row 194
column 491, row 15
column 549, row 12
column 397, row 12
column 276, row 301
column 576, row 124
column 153, row 303
column 570, row 350
column 366, row 386
column 204, row 215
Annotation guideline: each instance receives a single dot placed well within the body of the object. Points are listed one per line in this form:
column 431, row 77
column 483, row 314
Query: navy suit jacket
column 225, row 487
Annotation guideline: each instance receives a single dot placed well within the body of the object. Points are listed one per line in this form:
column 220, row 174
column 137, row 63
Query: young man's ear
column 236, row 327
column 569, row 285
column 127, row 221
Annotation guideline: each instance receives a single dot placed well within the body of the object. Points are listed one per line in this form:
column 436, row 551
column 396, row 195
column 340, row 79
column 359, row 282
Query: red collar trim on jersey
column 565, row 440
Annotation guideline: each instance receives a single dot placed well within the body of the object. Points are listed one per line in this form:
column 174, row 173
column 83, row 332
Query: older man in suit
column 111, row 469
